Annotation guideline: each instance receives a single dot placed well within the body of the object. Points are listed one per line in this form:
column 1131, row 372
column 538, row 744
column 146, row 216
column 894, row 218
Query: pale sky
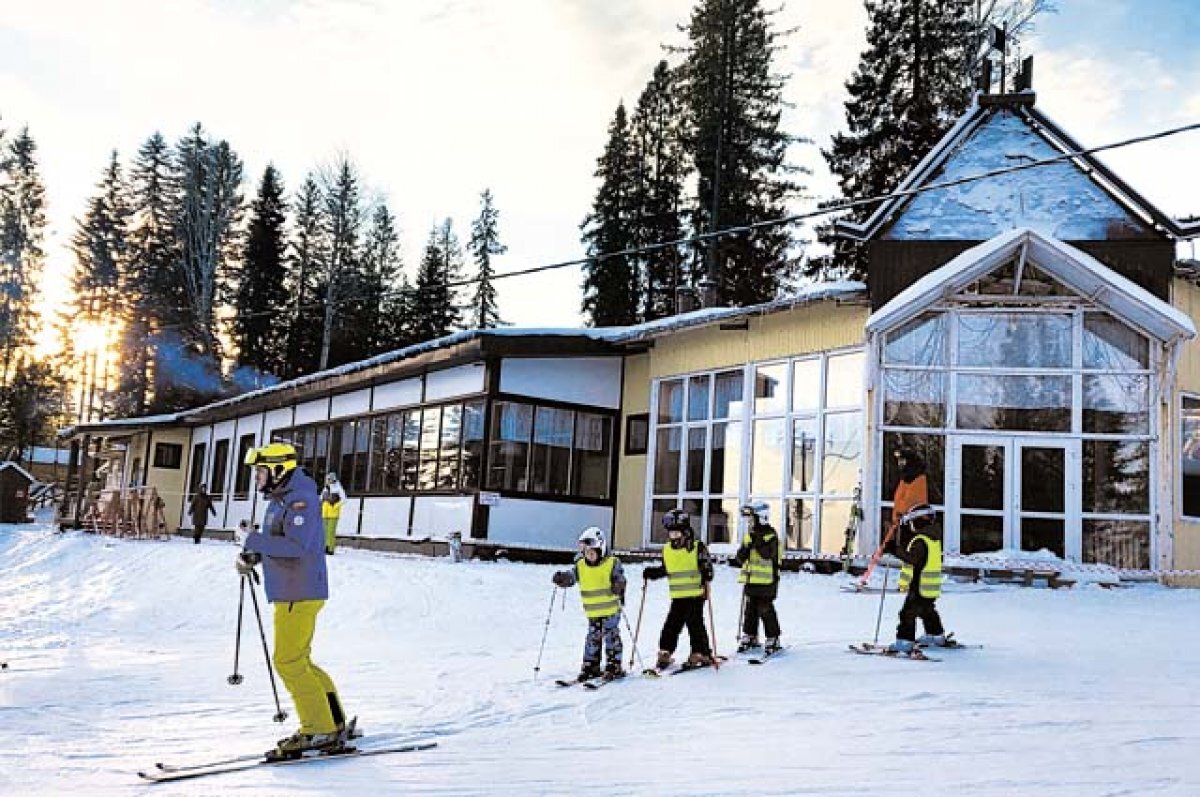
column 435, row 102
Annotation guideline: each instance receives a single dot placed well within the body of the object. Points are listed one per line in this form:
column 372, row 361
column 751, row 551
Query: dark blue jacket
column 292, row 542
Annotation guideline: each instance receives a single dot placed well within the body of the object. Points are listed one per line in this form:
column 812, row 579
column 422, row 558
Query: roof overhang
column 1076, row 269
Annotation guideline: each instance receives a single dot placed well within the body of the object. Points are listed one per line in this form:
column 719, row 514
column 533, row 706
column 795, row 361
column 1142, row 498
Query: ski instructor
column 291, row 547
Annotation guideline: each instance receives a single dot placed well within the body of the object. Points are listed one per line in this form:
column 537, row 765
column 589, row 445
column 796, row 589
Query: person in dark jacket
column 291, row 547
column 199, row 508
column 688, row 569
column 759, row 557
column 918, row 544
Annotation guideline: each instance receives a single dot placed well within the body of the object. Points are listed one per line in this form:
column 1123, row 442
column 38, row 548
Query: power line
column 836, row 207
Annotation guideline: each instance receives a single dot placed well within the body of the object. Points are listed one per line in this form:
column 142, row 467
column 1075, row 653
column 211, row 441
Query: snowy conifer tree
column 436, row 310
column 483, row 245
column 610, row 284
column 733, row 99
column 22, row 233
column 260, row 302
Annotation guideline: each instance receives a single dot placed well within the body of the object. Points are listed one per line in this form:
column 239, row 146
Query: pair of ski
column 164, row 772
column 916, row 654
column 590, row 683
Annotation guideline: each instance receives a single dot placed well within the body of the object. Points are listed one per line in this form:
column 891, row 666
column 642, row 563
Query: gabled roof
column 982, row 110
column 1074, row 268
column 18, row 469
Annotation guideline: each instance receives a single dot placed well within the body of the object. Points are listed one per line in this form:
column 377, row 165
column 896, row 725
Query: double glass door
column 1014, row 493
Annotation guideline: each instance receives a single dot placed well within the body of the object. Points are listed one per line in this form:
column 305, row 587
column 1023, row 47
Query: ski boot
column 747, row 642
column 932, row 641
column 901, row 647
column 589, row 671
column 296, row 745
column 664, row 660
column 772, row 646
column 697, row 660
column 613, row 671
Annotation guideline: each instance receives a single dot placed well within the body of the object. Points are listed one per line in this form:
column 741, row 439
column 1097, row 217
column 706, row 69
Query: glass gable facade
column 1033, row 411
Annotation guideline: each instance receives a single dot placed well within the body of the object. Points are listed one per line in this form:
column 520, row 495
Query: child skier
column 601, row 583
column 919, row 544
column 689, row 571
column 759, row 557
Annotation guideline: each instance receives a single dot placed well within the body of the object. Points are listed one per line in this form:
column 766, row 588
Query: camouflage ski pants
column 606, row 632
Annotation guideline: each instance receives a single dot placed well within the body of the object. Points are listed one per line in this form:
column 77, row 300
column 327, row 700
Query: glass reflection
column 921, row 341
column 1019, row 403
column 1014, row 340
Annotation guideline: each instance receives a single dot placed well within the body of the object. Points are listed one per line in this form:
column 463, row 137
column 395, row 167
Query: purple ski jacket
column 292, row 542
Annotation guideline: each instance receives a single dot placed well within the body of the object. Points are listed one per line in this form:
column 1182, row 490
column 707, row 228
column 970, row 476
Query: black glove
column 561, row 579
column 246, row 562
column 653, row 573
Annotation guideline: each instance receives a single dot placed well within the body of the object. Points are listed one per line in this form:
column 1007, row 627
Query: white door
column 1015, row 493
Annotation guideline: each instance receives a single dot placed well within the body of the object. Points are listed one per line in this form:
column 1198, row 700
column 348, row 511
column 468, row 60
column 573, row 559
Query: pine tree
column 483, row 245
column 382, row 310
column 32, row 406
column 912, row 83
column 259, row 325
column 101, row 247
column 343, row 215
column 153, row 287
column 733, row 101
column 305, row 282
column 436, row 312
column 22, row 232
column 610, row 282
column 210, row 206
column 657, row 192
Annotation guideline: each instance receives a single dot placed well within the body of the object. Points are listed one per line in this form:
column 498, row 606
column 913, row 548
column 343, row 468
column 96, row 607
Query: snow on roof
column 612, row 335
column 1003, row 132
column 816, row 291
column 1078, row 270
column 18, row 469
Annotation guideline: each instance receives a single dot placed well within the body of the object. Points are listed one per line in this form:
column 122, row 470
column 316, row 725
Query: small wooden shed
column 15, row 484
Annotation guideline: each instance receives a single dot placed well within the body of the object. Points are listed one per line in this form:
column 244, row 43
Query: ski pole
column 741, row 615
column 875, row 557
column 280, row 714
column 635, row 655
column 537, row 667
column 236, row 678
column 882, row 595
column 715, row 659
column 638, row 630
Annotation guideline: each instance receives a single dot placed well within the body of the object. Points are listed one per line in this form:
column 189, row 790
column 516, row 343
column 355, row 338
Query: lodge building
column 1032, row 334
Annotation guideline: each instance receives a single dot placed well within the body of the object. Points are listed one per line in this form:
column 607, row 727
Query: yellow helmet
column 279, row 458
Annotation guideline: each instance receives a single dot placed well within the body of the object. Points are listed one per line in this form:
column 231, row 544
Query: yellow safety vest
column 931, row 576
column 595, row 587
column 329, row 510
column 756, row 569
column 683, row 571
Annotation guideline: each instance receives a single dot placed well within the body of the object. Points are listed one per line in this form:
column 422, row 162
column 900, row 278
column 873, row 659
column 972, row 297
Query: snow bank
column 119, row 651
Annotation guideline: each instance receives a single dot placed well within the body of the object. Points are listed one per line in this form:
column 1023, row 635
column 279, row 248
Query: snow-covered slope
column 119, row 651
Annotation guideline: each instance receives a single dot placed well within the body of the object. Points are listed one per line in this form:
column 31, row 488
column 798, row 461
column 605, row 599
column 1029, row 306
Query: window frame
column 164, row 453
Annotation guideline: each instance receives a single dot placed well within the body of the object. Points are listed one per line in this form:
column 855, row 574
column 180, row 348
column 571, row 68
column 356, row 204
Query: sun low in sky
column 436, row 104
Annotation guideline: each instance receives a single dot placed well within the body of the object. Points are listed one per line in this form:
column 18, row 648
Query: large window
column 220, row 468
column 1043, row 368
column 196, row 472
column 423, row 449
column 550, row 451
column 1189, row 456
column 796, row 424
column 241, row 473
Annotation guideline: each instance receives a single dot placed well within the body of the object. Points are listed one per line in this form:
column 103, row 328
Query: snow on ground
column 119, row 651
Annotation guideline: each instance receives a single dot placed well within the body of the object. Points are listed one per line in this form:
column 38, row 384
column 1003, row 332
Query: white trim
column 1076, row 269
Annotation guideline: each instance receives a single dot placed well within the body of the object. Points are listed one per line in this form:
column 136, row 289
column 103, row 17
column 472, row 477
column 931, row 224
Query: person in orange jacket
column 913, row 488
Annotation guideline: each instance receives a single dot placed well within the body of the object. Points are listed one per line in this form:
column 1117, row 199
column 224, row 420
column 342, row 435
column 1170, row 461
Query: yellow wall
column 803, row 330
column 169, row 481
column 1186, row 297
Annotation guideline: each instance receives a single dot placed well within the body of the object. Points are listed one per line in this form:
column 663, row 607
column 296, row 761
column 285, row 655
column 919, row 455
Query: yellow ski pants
column 311, row 688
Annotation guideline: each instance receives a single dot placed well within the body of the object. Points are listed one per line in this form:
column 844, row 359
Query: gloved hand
column 246, row 562
column 561, row 579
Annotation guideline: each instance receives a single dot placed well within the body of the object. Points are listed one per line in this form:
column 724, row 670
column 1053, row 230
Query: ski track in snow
column 118, row 653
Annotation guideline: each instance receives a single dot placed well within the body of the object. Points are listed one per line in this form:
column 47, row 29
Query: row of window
column 534, row 449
